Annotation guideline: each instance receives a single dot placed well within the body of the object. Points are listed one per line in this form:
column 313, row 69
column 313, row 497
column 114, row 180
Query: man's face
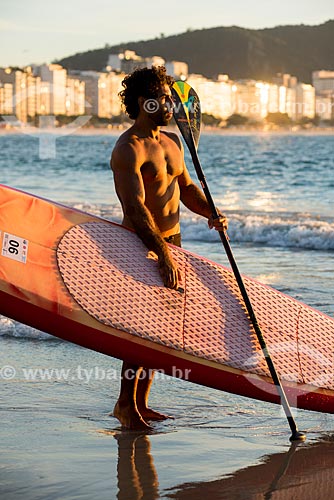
column 161, row 108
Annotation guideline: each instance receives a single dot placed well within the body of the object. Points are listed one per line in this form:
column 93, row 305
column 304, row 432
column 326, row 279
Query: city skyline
column 49, row 90
column 37, row 32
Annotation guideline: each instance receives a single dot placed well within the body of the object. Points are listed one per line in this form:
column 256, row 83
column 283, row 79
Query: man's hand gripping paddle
column 187, row 114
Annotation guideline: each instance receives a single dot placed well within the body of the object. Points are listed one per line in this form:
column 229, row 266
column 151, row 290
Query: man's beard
column 163, row 119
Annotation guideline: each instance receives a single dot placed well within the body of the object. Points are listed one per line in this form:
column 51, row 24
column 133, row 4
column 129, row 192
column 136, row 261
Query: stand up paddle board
column 93, row 282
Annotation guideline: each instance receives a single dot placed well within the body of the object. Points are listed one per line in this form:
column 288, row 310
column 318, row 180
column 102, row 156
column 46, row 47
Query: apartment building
column 177, row 69
column 127, row 61
column 216, row 96
column 6, row 99
column 56, row 76
column 115, row 86
column 101, row 93
column 45, row 97
column 75, row 96
column 323, row 82
column 254, row 98
column 305, row 102
column 18, row 80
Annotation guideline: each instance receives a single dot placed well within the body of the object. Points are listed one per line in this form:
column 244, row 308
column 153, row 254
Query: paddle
column 187, row 115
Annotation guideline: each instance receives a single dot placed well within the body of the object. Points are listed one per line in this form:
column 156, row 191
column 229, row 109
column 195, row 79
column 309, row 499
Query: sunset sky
column 36, row 31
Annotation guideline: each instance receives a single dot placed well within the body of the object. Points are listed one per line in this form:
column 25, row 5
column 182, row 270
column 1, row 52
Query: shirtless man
column 150, row 179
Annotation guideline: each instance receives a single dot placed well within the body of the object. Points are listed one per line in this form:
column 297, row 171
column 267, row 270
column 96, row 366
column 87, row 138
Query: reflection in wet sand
column 305, row 472
column 136, row 474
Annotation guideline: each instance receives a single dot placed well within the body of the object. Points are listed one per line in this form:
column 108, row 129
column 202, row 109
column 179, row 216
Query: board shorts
column 174, row 239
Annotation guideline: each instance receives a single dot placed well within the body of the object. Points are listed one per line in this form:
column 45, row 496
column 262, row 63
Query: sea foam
column 283, row 230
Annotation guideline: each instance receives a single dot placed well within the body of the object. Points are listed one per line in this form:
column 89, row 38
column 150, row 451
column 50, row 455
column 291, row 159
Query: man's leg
column 146, row 377
column 145, row 380
column 132, row 406
column 126, row 407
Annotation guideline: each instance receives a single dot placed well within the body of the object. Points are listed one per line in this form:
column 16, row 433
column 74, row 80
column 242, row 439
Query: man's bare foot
column 149, row 414
column 130, row 418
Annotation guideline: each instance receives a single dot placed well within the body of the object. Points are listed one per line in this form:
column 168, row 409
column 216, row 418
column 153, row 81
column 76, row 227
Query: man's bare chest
column 162, row 163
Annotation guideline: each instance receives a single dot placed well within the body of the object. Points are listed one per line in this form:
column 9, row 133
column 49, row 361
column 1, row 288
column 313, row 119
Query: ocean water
column 57, row 437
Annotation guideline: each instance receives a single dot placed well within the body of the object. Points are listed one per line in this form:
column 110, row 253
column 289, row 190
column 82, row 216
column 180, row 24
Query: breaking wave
column 283, row 230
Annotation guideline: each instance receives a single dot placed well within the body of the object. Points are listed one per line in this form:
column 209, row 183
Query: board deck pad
column 93, row 282
column 113, row 277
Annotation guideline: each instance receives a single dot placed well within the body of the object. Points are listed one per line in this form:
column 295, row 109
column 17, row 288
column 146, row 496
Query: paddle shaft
column 250, row 310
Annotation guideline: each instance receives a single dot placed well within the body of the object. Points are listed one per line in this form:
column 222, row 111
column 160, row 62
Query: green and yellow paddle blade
column 187, row 112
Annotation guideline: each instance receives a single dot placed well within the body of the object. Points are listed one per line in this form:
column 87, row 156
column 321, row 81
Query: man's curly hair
column 143, row 82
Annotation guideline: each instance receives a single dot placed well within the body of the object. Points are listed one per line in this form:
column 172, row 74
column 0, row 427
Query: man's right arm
column 126, row 165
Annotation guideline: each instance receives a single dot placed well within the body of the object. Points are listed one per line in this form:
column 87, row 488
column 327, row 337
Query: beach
column 116, row 130
column 58, row 439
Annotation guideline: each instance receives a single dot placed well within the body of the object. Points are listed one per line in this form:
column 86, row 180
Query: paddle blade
column 187, row 112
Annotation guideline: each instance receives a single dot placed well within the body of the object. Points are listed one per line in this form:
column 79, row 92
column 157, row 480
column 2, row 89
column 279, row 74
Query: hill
column 239, row 52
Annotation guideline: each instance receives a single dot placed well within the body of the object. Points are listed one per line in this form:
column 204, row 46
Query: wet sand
column 57, row 440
